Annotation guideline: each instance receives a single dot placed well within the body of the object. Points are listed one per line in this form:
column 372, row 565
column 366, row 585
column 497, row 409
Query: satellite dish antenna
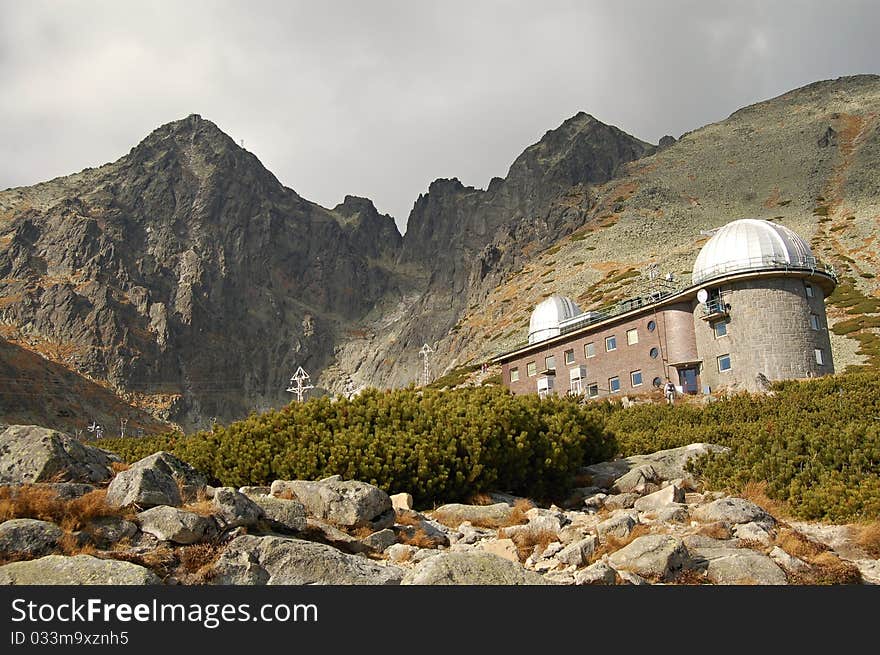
column 702, row 295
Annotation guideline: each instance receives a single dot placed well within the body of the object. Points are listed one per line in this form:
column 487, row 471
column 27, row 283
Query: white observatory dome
column 750, row 245
column 547, row 316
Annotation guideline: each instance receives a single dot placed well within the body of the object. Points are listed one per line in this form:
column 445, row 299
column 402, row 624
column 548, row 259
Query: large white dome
column 748, row 245
column 547, row 316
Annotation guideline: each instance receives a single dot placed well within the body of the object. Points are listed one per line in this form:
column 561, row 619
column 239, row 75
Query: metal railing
column 810, row 264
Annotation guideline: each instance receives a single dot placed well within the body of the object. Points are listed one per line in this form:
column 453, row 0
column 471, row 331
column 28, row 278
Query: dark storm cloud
column 379, row 98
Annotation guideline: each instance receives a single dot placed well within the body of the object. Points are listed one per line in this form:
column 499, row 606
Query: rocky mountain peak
column 375, row 233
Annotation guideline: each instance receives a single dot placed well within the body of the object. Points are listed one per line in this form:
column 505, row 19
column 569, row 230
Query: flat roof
column 594, row 320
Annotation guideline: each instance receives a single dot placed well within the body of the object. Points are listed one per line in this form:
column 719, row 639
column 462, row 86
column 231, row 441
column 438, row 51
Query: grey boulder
column 454, row 514
column 733, row 511
column 345, row 503
column 76, row 570
column 288, row 515
column 470, row 568
column 658, row 556
column 738, row 566
column 29, row 537
column 272, row 560
column 144, row 487
column 176, row 525
column 30, row 453
column 233, row 509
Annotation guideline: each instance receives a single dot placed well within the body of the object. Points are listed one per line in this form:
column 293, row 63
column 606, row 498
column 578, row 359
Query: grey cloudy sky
column 379, row 98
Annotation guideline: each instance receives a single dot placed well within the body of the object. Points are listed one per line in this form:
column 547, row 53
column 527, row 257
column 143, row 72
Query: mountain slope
column 184, row 270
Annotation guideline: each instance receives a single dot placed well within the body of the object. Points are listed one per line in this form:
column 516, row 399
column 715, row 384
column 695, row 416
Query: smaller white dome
column 547, row 316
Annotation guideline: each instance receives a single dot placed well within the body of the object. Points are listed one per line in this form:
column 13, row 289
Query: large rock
column 189, row 480
column 471, row 568
column 76, row 570
column 29, row 537
column 577, row 553
column 289, row 515
column 250, row 560
column 455, row 514
column 144, row 487
column 658, row 556
column 636, row 479
column 598, row 573
column 619, row 526
column 30, row 453
column 666, row 464
column 176, row 525
column 379, row 541
column 733, row 511
column 738, row 566
column 234, row 510
column 659, row 499
column 345, row 503
column 402, row 501
column 504, row 548
column 105, row 531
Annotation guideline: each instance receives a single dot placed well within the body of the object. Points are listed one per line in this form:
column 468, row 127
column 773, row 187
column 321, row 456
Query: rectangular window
column 636, row 378
column 514, row 374
column 632, row 337
column 593, row 390
column 820, row 356
column 531, row 369
column 808, row 289
column 550, row 363
column 814, row 321
column 720, row 329
column 723, row 363
column 610, row 344
column 569, row 356
column 613, row 385
column 589, row 350
column 576, row 387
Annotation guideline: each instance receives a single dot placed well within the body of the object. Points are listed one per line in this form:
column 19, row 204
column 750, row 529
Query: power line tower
column 96, row 430
column 122, row 423
column 300, row 383
column 426, row 352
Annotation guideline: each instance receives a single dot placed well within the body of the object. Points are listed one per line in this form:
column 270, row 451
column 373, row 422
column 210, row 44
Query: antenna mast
column 300, row 383
column 426, row 374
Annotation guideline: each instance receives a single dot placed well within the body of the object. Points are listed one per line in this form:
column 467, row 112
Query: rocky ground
column 73, row 514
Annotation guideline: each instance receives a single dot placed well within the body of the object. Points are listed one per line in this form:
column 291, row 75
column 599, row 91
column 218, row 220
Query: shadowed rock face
column 186, row 272
column 186, row 276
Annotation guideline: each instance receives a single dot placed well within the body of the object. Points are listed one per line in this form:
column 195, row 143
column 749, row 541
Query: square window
column 723, row 363
column 720, row 329
column 614, row 385
column 814, row 321
column 514, row 374
column 531, row 369
column 636, row 378
column 589, row 350
column 808, row 289
column 610, row 344
column 632, row 337
column 550, row 363
column 820, row 356
column 569, row 356
column 593, row 390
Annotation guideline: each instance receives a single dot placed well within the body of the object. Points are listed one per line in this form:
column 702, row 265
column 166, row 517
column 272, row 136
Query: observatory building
column 754, row 310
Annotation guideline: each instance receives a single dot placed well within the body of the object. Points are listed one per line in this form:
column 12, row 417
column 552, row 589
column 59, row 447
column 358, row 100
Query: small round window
column 651, row 326
column 654, row 352
column 657, row 382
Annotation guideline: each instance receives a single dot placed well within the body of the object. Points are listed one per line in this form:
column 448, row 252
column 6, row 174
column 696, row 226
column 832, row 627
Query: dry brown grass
column 690, row 577
column 826, row 567
column 119, row 467
column 196, row 562
column 408, row 517
column 36, row 502
column 201, row 504
column 715, row 531
column 481, row 499
column 417, row 537
column 757, row 493
column 362, row 532
column 868, row 538
column 613, row 543
column 527, row 540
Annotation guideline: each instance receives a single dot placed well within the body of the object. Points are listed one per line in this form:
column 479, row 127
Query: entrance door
column 688, row 378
